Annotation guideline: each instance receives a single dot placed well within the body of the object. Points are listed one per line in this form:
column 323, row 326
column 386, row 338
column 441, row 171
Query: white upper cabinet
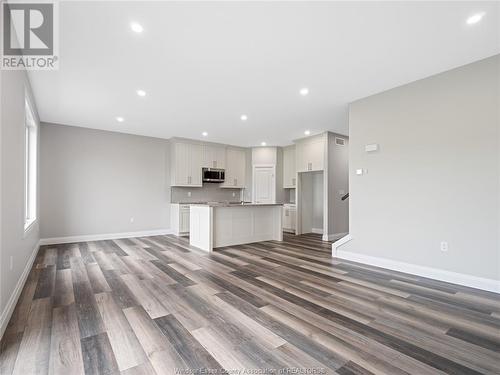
column 235, row 168
column 186, row 163
column 214, row 156
column 289, row 171
column 310, row 153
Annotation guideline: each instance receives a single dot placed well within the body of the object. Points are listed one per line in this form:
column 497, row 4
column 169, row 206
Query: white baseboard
column 340, row 241
column 317, row 230
column 333, row 237
column 490, row 285
column 11, row 303
column 100, row 237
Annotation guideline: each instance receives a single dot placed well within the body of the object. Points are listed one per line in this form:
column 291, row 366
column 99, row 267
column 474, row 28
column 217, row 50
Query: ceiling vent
column 339, row 141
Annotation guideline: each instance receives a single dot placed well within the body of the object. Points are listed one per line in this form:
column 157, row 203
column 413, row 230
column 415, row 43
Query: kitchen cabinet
column 289, row 171
column 235, row 168
column 289, row 218
column 214, row 156
column 310, row 153
column 180, row 218
column 186, row 164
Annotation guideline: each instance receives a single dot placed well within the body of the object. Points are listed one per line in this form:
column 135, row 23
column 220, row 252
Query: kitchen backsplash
column 207, row 193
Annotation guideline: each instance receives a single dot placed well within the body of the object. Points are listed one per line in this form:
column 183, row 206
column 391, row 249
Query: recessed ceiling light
column 120, row 119
column 304, row 91
column 204, row 134
column 475, row 18
column 136, row 27
column 307, row 132
column 263, row 143
column 244, row 117
column 141, row 92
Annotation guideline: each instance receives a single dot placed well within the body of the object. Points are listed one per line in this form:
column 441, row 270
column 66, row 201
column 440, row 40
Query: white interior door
column 264, row 185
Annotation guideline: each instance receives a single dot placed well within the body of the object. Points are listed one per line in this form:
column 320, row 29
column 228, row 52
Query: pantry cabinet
column 310, row 153
column 235, row 168
column 186, row 164
column 289, row 171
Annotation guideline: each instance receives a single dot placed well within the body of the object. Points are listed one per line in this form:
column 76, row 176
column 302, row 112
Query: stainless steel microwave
column 213, row 175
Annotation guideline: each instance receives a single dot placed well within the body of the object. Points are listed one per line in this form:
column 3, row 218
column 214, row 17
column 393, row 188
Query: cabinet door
column 235, row 168
column 239, row 168
column 301, row 156
column 264, row 185
column 214, row 156
column 195, row 164
column 293, row 219
column 286, row 218
column 181, row 164
column 289, row 172
column 310, row 154
column 208, row 156
column 316, row 153
column 220, row 157
column 184, row 220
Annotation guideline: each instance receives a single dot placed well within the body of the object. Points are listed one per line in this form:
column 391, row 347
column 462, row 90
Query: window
column 30, row 166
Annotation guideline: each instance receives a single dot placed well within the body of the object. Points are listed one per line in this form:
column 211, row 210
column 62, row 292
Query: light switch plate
column 371, row 147
column 359, row 172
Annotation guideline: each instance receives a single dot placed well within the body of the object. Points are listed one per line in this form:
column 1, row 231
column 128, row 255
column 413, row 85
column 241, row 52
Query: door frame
column 254, row 168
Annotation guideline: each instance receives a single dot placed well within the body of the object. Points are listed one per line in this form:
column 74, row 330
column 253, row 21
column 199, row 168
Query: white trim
column 342, row 240
column 490, row 285
column 317, row 230
column 99, row 237
column 11, row 303
column 334, row 236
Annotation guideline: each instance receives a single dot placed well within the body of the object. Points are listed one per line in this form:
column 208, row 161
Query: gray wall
column 338, row 176
column 317, row 200
column 93, row 182
column 14, row 242
column 436, row 176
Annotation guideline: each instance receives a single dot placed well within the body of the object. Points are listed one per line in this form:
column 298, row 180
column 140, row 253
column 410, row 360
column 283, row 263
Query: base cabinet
column 289, row 218
column 180, row 218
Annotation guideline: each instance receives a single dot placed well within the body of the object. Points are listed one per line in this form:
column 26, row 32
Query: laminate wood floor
column 154, row 305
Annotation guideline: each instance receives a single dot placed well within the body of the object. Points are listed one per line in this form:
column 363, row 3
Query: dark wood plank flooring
column 156, row 305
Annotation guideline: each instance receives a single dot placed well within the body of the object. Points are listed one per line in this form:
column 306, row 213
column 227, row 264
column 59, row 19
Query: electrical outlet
column 444, row 246
column 189, row 193
column 11, row 262
column 131, row 219
column 234, row 194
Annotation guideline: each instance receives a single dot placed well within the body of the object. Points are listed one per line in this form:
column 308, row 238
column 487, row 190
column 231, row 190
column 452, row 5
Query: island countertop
column 221, row 204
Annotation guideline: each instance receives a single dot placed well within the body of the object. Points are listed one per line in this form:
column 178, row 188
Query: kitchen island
column 214, row 225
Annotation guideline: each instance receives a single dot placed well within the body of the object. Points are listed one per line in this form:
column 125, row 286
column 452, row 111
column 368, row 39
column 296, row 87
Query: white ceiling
column 203, row 65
